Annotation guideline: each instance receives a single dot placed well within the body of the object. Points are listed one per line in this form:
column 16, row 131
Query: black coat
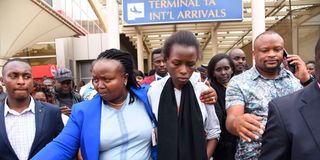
column 293, row 127
column 48, row 126
column 226, row 148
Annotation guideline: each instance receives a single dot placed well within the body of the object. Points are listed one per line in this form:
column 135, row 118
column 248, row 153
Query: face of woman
column 109, row 79
column 181, row 64
column 223, row 71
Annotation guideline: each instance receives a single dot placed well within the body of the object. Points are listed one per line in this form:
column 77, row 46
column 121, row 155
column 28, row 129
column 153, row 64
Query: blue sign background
column 140, row 12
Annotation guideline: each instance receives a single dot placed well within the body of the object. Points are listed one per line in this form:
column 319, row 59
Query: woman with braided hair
column 116, row 124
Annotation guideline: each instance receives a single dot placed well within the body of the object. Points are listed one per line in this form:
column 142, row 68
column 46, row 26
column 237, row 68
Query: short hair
column 126, row 61
column 213, row 62
column 151, row 72
column 138, row 73
column 14, row 60
column 156, row 51
column 311, row 62
column 41, row 91
column 266, row 33
column 185, row 38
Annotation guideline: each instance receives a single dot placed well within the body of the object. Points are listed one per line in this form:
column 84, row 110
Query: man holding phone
column 249, row 93
column 65, row 97
column 297, row 66
column 293, row 127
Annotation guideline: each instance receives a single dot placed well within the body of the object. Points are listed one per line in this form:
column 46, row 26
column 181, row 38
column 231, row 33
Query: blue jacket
column 83, row 130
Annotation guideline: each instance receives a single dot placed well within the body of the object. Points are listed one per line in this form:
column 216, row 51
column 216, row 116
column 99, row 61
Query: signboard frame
column 199, row 6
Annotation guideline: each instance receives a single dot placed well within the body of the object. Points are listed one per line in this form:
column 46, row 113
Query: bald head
column 239, row 59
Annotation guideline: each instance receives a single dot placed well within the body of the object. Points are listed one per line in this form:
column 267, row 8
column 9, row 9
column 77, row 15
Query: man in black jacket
column 65, row 97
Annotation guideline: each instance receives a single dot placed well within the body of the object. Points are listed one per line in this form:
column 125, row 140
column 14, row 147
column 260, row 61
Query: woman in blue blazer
column 116, row 124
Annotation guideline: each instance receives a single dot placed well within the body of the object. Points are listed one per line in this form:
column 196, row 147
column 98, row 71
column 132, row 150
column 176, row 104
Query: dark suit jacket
column 293, row 127
column 48, row 126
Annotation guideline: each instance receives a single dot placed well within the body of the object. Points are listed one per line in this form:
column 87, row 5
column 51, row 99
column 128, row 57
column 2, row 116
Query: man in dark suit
column 26, row 125
column 159, row 67
column 293, row 127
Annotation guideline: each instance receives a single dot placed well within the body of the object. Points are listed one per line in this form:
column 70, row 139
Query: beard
column 271, row 69
column 21, row 99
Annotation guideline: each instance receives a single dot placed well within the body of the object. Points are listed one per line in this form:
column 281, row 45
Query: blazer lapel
column 91, row 124
column 3, row 132
column 39, row 116
column 311, row 109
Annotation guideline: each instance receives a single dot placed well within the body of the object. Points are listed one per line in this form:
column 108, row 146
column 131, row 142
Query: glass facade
column 80, row 13
column 39, row 54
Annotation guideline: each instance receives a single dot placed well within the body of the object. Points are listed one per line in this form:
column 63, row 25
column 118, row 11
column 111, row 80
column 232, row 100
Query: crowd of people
column 221, row 111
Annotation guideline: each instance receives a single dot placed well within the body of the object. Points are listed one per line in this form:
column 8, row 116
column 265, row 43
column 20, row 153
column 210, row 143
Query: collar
column 319, row 84
column 157, row 77
column 255, row 73
column 7, row 110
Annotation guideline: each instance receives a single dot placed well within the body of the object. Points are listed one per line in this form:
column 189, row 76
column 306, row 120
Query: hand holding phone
column 291, row 67
column 299, row 68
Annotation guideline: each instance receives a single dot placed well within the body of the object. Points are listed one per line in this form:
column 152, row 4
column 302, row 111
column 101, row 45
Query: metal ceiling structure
column 229, row 34
column 24, row 23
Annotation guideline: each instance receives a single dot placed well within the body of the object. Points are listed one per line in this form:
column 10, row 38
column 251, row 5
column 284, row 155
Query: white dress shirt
column 20, row 128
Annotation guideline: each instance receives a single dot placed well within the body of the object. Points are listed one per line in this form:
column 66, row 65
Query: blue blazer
column 83, row 130
column 293, row 127
column 48, row 126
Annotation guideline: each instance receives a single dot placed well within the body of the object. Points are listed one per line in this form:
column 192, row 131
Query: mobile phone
column 291, row 67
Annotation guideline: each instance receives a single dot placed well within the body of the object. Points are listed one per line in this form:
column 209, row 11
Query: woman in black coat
column 220, row 70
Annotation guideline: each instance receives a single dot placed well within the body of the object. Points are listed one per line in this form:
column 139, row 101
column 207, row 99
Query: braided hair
column 125, row 59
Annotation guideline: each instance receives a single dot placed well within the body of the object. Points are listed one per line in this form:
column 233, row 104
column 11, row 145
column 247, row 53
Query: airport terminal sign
column 141, row 12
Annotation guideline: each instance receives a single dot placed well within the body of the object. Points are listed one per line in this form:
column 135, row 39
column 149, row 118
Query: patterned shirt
column 254, row 91
column 87, row 91
column 21, row 129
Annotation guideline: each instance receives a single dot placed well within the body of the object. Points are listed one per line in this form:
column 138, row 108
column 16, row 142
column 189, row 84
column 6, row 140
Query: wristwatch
column 308, row 81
